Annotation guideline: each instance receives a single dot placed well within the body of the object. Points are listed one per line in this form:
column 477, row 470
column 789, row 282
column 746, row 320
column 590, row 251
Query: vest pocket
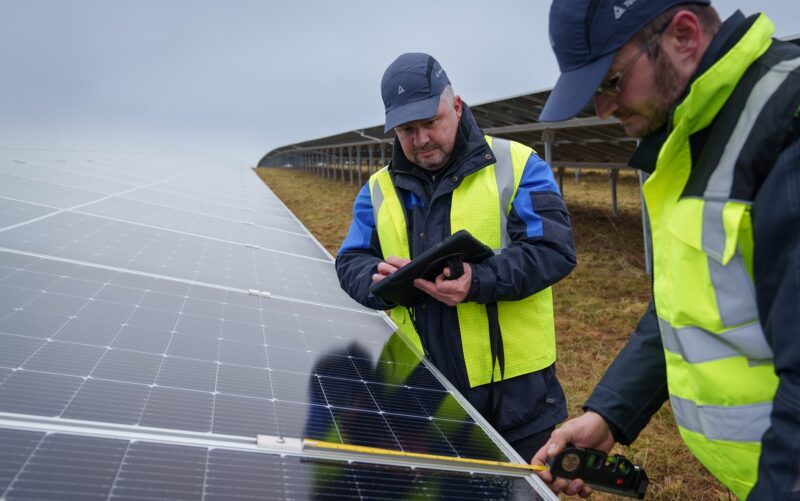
column 702, row 271
column 715, row 227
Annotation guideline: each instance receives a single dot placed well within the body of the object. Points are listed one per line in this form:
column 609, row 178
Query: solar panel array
column 159, row 311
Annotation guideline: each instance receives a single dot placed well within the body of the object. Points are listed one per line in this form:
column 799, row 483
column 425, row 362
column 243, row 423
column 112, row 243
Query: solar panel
column 80, row 467
column 150, row 303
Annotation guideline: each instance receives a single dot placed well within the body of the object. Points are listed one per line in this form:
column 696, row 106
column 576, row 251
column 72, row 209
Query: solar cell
column 42, row 192
column 12, row 211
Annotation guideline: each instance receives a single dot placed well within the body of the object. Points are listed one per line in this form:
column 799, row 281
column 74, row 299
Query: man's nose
column 604, row 105
column 421, row 137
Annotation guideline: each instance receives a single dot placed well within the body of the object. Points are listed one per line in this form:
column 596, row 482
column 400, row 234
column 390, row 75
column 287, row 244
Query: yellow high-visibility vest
column 480, row 205
column 720, row 369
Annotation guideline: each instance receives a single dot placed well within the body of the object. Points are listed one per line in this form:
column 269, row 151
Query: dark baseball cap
column 411, row 88
column 586, row 35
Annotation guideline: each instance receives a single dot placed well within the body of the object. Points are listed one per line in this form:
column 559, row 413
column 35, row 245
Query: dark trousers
column 528, row 446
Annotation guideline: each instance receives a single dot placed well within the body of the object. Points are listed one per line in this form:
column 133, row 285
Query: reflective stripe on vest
column 743, row 423
column 480, row 204
column 506, row 187
column 376, row 192
column 697, row 345
column 719, row 365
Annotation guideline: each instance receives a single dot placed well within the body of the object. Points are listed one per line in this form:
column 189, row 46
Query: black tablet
column 399, row 286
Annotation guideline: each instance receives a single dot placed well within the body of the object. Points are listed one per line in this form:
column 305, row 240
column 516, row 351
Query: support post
column 548, row 137
column 350, row 163
column 341, row 165
column 613, row 174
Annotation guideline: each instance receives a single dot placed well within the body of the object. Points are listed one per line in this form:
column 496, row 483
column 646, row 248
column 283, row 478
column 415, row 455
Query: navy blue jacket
column 542, row 252
column 635, row 385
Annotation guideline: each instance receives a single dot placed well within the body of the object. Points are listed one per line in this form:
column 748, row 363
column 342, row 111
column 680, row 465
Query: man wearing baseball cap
column 491, row 330
column 716, row 106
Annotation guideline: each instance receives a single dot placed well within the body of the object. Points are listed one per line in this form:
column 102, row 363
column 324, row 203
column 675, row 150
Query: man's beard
column 668, row 87
column 433, row 163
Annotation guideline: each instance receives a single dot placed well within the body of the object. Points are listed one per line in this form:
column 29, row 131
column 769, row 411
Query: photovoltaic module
column 160, row 310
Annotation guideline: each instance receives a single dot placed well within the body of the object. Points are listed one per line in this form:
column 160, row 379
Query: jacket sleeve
column 635, row 385
column 542, row 251
column 776, row 267
column 360, row 253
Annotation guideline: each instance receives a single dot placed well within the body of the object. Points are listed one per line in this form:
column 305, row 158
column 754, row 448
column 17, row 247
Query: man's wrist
column 616, row 433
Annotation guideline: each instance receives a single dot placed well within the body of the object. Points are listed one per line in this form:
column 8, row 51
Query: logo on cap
column 620, row 10
column 400, row 89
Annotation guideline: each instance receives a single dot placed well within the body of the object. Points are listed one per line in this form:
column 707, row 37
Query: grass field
column 596, row 307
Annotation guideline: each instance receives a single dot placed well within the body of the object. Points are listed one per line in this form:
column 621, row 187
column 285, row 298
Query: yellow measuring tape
column 418, row 455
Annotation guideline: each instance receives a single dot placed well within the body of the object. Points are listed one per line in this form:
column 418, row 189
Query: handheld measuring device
column 614, row 474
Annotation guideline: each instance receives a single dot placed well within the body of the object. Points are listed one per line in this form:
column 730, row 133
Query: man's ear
column 457, row 106
column 685, row 42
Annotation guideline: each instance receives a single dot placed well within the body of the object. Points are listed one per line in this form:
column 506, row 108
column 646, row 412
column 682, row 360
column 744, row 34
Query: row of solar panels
column 159, row 311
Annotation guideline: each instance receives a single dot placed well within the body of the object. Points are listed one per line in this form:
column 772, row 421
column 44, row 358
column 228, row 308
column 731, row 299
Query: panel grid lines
column 352, row 307
column 209, row 237
column 166, row 350
column 121, row 465
column 4, row 492
column 139, row 248
column 210, row 217
column 73, row 208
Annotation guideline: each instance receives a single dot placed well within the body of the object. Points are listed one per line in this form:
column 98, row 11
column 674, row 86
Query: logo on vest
column 618, row 12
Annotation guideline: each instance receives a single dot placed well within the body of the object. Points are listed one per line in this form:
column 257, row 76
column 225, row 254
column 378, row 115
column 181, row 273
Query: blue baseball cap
column 411, row 88
column 586, row 35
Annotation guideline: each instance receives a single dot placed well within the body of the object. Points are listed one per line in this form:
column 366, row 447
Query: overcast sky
column 240, row 77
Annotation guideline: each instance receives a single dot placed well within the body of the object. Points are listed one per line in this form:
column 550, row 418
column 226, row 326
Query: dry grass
column 596, row 307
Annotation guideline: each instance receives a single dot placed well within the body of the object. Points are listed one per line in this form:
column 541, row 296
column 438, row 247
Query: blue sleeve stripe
column 536, row 177
column 360, row 233
column 523, row 204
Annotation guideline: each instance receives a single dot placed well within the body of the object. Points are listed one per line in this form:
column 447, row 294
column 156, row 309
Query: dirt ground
column 596, row 306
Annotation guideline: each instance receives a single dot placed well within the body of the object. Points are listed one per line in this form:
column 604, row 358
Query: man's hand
column 589, row 430
column 386, row 268
column 449, row 292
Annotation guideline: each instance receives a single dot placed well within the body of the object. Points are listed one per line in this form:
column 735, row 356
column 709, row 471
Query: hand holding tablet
column 398, row 286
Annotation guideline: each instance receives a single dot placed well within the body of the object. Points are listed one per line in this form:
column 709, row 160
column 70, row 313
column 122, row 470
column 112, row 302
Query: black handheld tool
column 614, row 474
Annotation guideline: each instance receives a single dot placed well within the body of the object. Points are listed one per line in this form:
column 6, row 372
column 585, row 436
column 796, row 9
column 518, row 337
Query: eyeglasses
column 612, row 86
